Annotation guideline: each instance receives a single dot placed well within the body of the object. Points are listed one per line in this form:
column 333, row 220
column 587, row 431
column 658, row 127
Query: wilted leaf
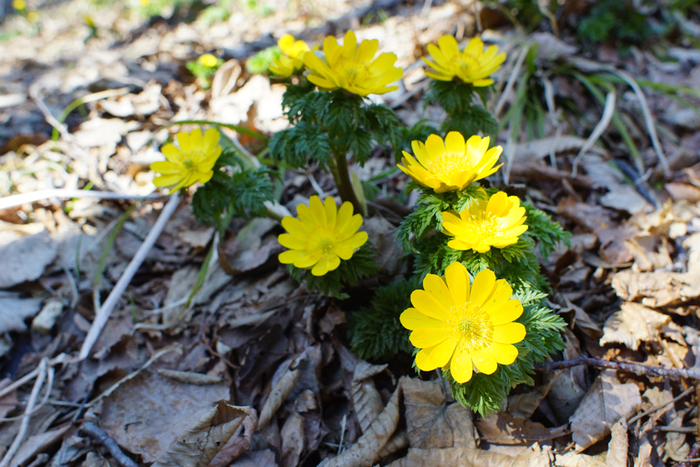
column 25, row 251
column 238, row 444
column 657, row 289
column 382, row 235
column 277, row 396
column 198, row 445
column 148, row 413
column 503, row 428
column 39, row 443
column 365, row 397
column 524, row 405
column 13, row 312
column 618, row 446
column 634, row 323
column 606, row 402
column 292, row 435
column 468, row 457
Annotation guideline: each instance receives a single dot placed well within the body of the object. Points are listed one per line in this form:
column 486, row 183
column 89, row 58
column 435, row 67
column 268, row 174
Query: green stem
column 342, row 181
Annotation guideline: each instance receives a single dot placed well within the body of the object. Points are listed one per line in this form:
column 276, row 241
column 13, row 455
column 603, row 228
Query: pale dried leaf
column 657, row 289
column 25, row 253
column 574, row 459
column 365, row 397
column 292, row 434
column 367, row 448
column 618, row 446
column 44, row 322
column 264, row 458
column 550, row 47
column 470, row 457
column 683, row 191
column 189, row 377
column 692, row 244
column 238, row 444
column 625, row 198
column 197, row 446
column 13, row 312
column 39, row 443
column 606, row 402
column 634, row 323
column 502, row 428
column 541, row 148
column 277, row 396
column 139, row 414
column 382, row 234
column 8, row 402
column 524, row 405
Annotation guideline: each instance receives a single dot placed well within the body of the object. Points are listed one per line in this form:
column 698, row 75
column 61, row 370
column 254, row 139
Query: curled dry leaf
column 524, row 405
column 606, row 402
column 657, row 289
column 634, row 323
column 616, row 455
column 503, row 428
column 277, row 396
column 197, row 446
column 365, row 397
column 292, row 434
column 26, row 250
column 366, row 450
column 238, row 444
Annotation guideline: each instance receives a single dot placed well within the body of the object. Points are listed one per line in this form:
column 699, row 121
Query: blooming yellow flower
column 461, row 328
column 293, row 59
column 353, row 67
column 494, row 223
column 208, row 60
column 192, row 162
column 321, row 236
column 453, row 164
column 19, row 4
column 473, row 65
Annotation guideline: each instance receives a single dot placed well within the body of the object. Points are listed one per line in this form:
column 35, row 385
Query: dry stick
column 635, row 368
column 511, row 81
column 27, row 414
column 660, row 407
column 104, row 313
column 24, row 198
column 99, row 434
column 602, row 125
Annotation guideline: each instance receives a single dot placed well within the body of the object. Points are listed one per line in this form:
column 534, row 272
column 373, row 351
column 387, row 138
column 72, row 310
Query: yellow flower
column 292, row 61
column 321, row 236
column 208, row 60
column 19, row 5
column 353, row 67
column 451, row 165
column 192, row 162
column 494, row 223
column 461, row 329
column 473, row 65
column 32, row 16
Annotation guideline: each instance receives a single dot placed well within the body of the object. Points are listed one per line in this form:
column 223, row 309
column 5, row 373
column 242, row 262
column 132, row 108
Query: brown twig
column 637, row 369
column 692, row 456
column 99, row 434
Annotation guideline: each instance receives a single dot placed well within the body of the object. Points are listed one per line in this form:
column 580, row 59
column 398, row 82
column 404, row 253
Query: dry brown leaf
column 389, row 253
column 39, row 443
column 468, row 457
column 277, row 396
column 618, row 446
column 26, row 251
column 634, row 323
column 190, row 377
column 146, row 413
column 683, row 191
column 366, row 450
column 292, row 434
column 264, row 458
column 13, row 312
column 524, row 405
column 574, row 459
column 502, row 428
column 238, row 444
column 692, row 244
column 198, row 445
column 657, row 289
column 606, row 402
column 650, row 252
column 365, row 397
column 8, row 402
column 541, row 148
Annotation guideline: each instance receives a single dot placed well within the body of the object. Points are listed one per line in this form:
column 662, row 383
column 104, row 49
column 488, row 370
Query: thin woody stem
column 635, row 368
column 342, row 180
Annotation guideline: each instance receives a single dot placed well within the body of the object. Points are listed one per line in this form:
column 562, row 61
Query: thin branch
column 103, row 314
column 602, row 125
column 25, row 198
column 27, row 415
column 100, row 435
column 641, row 370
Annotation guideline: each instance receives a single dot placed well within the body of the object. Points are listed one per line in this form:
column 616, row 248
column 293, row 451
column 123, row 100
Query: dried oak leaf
column 634, row 323
column 292, row 434
column 197, row 446
column 277, row 396
column 657, row 289
column 606, row 402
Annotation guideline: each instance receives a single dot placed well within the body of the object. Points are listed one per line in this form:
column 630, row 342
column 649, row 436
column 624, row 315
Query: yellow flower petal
column 509, row 333
column 325, row 264
column 427, row 304
column 436, row 287
column 505, row 354
column 457, row 279
column 482, row 287
column 461, row 366
column 190, row 163
column 413, row 319
column 484, row 362
column 346, row 248
column 442, row 353
column 427, row 337
column 472, row 65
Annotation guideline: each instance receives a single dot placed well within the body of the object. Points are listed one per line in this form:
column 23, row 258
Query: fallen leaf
column 632, row 324
column 606, row 402
column 238, row 444
column 524, row 405
column 382, row 235
column 683, row 191
column 366, row 399
column 618, row 446
column 197, row 445
column 468, row 457
column 26, row 251
column 292, row 434
column 39, row 443
column 148, row 412
column 13, row 312
column 264, row 458
column 503, row 428
column 277, row 396
column 657, row 289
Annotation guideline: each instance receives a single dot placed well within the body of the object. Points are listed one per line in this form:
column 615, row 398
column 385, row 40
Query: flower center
column 354, row 70
column 471, row 325
column 325, row 245
column 188, row 162
column 468, row 63
column 449, row 165
column 485, row 224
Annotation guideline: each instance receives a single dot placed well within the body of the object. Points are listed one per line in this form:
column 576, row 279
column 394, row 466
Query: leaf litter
column 254, row 343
